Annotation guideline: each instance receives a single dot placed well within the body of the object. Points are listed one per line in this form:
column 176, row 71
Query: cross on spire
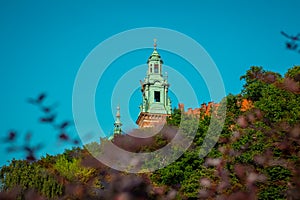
column 154, row 40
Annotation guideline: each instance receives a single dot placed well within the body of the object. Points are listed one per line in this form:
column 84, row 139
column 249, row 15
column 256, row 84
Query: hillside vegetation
column 257, row 155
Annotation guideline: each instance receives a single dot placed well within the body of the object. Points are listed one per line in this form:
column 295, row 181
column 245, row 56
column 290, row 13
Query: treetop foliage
column 257, row 155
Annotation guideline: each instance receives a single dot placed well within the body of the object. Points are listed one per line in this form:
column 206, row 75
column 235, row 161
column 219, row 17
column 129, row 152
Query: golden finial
column 118, row 111
column 155, row 40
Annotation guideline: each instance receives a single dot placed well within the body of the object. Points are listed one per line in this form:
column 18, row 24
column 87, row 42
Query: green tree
column 27, row 176
column 72, row 170
column 293, row 73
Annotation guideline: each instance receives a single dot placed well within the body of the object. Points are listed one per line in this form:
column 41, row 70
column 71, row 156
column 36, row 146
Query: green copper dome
column 155, row 57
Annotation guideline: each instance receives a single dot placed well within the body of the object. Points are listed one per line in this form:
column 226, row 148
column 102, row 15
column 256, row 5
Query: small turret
column 118, row 124
column 155, row 62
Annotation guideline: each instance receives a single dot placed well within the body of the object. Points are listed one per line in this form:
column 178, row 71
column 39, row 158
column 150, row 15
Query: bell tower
column 156, row 105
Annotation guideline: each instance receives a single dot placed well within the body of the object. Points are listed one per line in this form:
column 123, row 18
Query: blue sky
column 43, row 44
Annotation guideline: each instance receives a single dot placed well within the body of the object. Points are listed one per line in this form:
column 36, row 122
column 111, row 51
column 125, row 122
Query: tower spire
column 155, row 45
column 118, row 124
column 156, row 104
